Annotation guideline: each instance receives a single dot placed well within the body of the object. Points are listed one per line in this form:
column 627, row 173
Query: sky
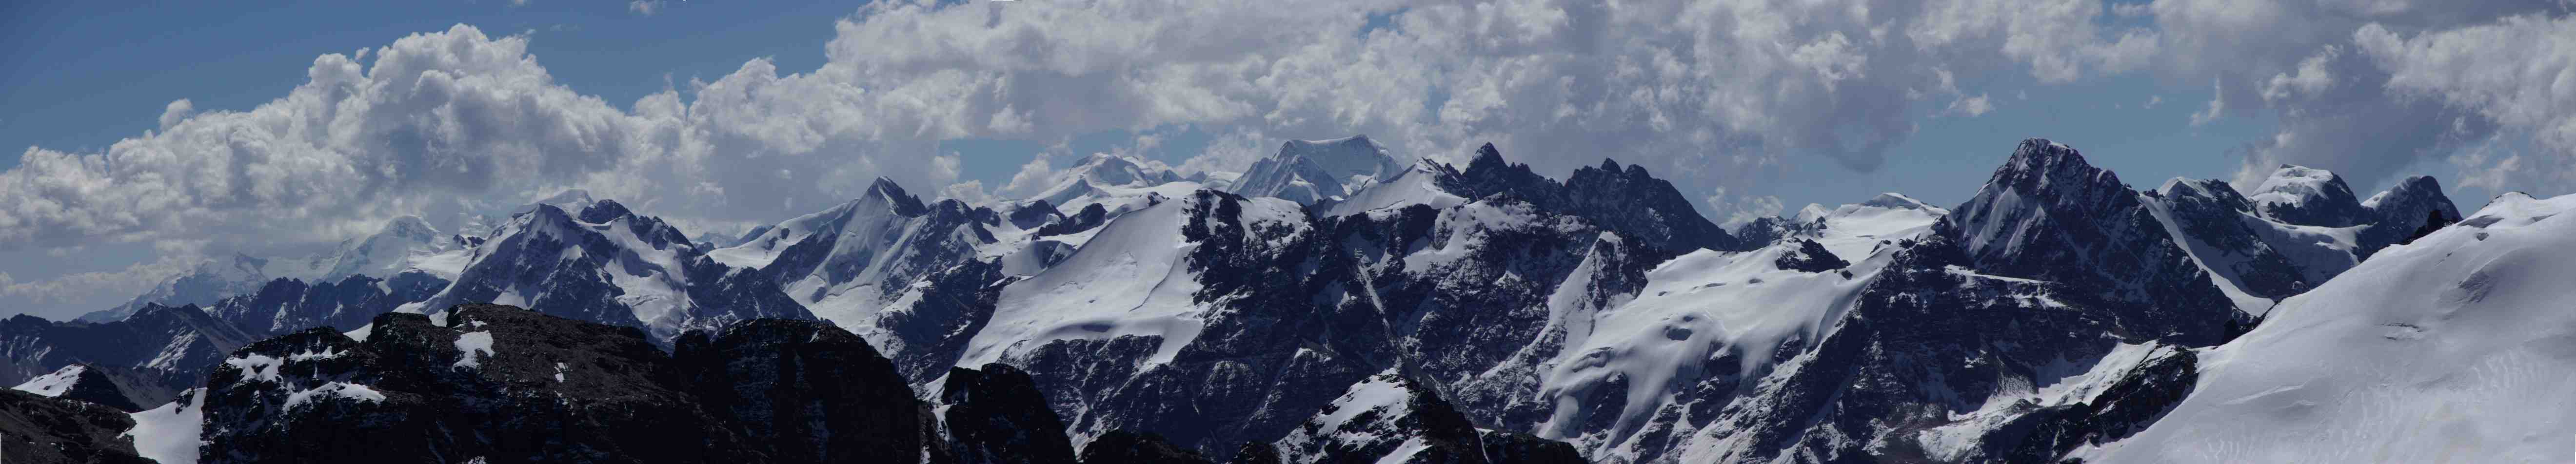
column 151, row 137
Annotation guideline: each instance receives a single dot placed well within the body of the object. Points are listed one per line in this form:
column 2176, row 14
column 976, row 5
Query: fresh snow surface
column 1701, row 305
column 54, row 384
column 2457, row 348
column 169, row 433
column 474, row 346
column 1132, row 278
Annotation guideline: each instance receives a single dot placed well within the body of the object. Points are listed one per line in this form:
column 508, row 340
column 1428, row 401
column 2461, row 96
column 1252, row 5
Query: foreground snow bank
column 2458, row 347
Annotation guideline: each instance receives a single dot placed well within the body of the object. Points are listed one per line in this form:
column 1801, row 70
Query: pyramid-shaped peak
column 1487, row 156
column 887, row 190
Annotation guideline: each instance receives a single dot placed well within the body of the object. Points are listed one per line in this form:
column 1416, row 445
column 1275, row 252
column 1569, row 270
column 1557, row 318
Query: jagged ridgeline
column 1333, row 304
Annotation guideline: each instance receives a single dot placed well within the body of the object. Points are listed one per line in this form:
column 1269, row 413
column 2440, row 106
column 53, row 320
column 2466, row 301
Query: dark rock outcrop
column 997, row 415
column 510, row 385
column 802, row 391
column 1809, row 256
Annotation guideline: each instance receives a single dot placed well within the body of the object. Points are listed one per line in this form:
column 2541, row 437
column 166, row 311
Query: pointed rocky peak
column 2307, row 196
column 2042, row 181
column 893, row 194
column 2040, row 166
column 1636, row 203
column 1489, row 163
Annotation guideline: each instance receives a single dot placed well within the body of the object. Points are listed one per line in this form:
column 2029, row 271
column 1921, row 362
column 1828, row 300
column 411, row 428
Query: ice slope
column 1132, row 278
column 2458, row 347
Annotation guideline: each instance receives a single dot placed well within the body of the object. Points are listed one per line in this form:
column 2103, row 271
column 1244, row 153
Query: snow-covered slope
column 1132, row 278
column 1634, row 375
column 1309, row 171
column 2458, row 347
column 848, row 262
column 55, row 384
column 169, row 433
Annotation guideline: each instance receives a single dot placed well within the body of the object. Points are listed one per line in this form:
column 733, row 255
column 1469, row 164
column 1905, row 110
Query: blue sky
column 942, row 94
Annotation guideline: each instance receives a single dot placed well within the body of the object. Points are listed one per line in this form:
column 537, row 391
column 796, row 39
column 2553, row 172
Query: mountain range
column 1337, row 304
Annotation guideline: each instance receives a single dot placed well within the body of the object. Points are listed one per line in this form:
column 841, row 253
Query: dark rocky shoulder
column 1122, row 446
column 37, row 429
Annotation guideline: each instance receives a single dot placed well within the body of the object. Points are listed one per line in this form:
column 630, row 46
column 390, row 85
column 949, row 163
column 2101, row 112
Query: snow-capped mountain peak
column 1897, row 201
column 1310, row 171
column 2307, row 196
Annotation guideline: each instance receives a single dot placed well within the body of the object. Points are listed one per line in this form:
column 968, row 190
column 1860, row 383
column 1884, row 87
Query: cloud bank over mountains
column 1719, row 96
